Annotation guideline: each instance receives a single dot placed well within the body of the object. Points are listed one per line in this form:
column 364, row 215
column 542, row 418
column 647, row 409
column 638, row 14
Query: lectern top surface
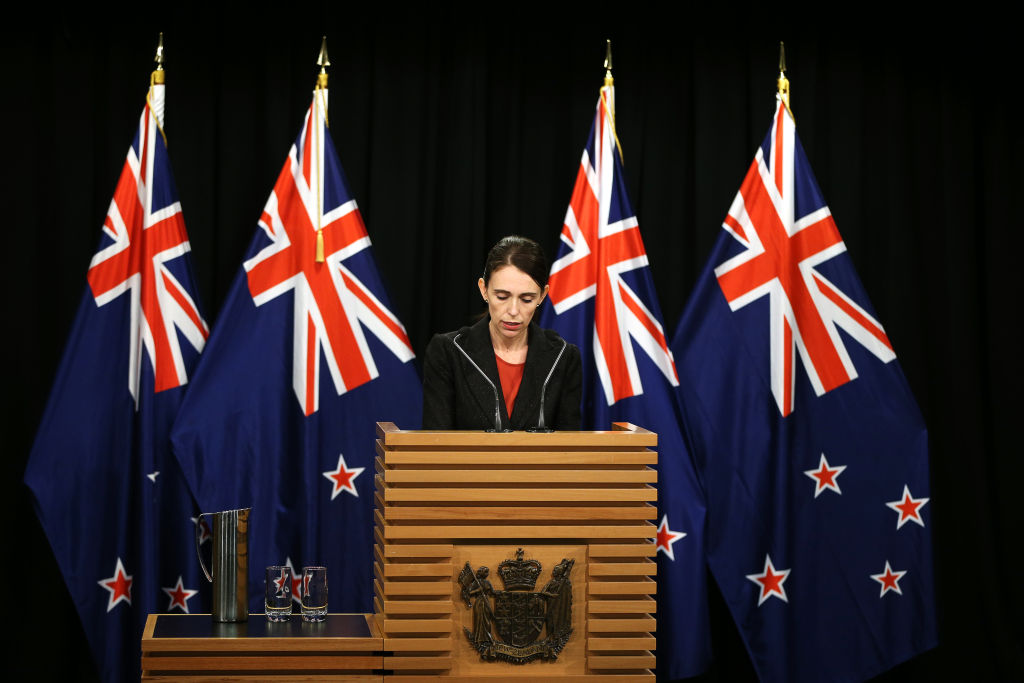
column 203, row 626
column 634, row 437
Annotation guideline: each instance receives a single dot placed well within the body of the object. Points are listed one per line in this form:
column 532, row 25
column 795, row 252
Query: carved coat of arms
column 519, row 614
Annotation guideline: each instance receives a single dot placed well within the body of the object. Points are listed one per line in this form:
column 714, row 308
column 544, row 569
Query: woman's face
column 512, row 298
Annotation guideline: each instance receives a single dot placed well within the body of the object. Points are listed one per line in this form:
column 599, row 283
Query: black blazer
column 456, row 395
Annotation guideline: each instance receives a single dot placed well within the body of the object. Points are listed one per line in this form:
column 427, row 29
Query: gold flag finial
column 783, row 83
column 156, row 77
column 159, row 58
column 323, row 61
column 158, row 72
column 608, row 80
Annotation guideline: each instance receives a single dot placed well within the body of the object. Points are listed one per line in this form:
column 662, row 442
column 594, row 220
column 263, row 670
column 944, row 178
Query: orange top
column 511, row 376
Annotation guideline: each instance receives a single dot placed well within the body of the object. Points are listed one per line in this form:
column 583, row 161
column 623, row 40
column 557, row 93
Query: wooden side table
column 191, row 647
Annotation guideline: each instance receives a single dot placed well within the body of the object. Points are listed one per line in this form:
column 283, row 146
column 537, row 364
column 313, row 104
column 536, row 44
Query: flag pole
column 319, row 98
column 608, row 94
column 323, row 61
column 156, row 77
column 783, row 83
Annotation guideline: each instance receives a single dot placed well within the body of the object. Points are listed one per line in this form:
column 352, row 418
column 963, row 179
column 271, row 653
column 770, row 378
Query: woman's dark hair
column 521, row 252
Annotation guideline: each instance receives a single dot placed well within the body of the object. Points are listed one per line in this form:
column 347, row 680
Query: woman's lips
column 510, row 326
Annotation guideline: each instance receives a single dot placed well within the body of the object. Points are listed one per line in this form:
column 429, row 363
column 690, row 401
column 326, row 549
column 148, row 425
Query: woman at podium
column 504, row 372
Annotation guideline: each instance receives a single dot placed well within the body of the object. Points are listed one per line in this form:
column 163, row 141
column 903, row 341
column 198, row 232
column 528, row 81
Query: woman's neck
column 511, row 350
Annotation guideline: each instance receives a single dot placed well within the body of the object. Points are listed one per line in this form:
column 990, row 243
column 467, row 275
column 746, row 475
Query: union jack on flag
column 108, row 491
column 263, row 426
column 331, row 302
column 144, row 235
column 602, row 248
column 786, row 235
column 603, row 300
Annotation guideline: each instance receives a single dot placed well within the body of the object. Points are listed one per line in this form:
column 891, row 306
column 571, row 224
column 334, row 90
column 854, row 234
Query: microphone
column 541, row 427
column 497, row 404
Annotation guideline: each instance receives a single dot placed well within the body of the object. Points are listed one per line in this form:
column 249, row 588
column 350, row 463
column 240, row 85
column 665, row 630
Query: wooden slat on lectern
column 433, row 550
column 407, row 570
column 565, row 457
column 498, row 529
column 644, row 642
column 631, row 625
column 521, row 512
column 417, row 644
column 524, row 476
column 629, row 550
column 417, row 625
column 623, row 569
column 540, row 493
column 634, row 606
column 412, row 606
column 515, row 440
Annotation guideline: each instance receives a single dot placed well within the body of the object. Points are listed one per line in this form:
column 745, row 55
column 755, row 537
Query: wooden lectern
column 445, row 500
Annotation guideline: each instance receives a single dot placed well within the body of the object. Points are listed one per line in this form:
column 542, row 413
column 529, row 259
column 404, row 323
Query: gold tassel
column 319, row 246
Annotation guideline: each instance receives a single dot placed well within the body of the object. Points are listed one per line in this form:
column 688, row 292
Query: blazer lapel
column 477, row 344
column 539, row 357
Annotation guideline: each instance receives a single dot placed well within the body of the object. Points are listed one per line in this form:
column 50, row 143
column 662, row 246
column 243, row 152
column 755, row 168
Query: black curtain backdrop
column 455, row 130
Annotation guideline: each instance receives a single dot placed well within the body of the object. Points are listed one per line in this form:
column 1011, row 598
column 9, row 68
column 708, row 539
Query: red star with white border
column 204, row 530
column 296, row 582
column 770, row 581
column 343, row 478
column 179, row 596
column 889, row 579
column 825, row 476
column 281, row 582
column 908, row 508
column 666, row 537
column 119, row 585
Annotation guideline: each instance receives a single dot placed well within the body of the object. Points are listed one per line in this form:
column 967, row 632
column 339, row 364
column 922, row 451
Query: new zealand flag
column 109, row 493
column 812, row 451
column 305, row 357
column 603, row 300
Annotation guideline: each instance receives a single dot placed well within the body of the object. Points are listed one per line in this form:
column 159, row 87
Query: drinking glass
column 314, row 593
column 278, row 593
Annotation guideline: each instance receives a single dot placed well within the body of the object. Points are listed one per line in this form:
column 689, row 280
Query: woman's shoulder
column 445, row 340
column 556, row 340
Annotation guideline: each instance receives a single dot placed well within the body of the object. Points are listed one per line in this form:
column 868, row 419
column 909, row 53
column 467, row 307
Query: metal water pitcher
column 230, row 575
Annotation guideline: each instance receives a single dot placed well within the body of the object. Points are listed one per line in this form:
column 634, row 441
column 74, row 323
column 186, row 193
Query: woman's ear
column 483, row 288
